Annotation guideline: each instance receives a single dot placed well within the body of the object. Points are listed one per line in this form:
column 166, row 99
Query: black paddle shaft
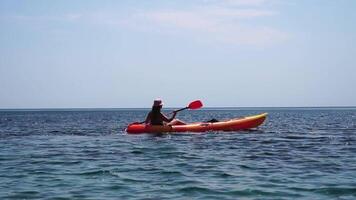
column 182, row 109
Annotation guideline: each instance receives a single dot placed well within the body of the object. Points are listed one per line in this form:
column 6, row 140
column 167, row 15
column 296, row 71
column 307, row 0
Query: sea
column 298, row 153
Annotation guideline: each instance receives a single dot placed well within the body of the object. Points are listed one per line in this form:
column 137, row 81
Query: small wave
column 137, row 152
column 336, row 191
column 171, row 173
column 261, row 193
column 197, row 189
column 93, row 173
column 25, row 195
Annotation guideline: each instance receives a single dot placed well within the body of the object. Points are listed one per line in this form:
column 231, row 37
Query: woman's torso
column 156, row 118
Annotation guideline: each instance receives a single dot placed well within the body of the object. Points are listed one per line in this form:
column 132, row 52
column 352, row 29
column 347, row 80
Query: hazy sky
column 84, row 53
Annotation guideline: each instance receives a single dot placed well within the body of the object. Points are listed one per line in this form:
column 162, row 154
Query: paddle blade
column 195, row 105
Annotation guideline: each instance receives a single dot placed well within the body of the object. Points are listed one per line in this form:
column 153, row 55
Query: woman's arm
column 148, row 118
column 165, row 118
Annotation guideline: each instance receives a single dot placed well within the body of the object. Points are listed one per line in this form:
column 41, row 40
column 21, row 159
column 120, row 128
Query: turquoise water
column 298, row 153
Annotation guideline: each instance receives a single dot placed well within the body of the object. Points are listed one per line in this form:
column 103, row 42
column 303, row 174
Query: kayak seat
column 213, row 120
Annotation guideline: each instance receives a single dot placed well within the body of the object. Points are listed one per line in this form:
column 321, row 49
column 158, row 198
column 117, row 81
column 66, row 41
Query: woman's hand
column 173, row 116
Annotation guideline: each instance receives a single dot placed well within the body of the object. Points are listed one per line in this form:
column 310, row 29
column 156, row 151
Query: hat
column 157, row 102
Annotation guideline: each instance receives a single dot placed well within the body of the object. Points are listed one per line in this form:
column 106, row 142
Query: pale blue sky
column 65, row 54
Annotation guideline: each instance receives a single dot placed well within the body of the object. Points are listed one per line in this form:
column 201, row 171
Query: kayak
column 236, row 124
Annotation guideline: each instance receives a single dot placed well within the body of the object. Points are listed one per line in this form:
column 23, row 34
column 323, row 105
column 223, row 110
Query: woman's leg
column 176, row 122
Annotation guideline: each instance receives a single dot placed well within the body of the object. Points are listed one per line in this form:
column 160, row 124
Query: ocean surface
column 298, row 153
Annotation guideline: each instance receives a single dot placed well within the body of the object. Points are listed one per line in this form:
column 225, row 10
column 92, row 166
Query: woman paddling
column 155, row 117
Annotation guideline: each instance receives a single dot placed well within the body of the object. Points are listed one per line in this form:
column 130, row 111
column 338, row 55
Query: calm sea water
column 85, row 154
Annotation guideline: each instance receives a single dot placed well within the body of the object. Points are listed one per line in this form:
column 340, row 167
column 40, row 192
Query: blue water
column 298, row 153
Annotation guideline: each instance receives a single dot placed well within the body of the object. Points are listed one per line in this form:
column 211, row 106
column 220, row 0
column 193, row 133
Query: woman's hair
column 156, row 110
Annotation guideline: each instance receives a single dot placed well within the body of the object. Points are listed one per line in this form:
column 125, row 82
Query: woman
column 155, row 117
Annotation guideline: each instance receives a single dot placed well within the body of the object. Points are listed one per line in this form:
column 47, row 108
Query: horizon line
column 128, row 108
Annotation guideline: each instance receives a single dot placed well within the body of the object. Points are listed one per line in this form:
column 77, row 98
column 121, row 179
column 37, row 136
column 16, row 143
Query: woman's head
column 157, row 105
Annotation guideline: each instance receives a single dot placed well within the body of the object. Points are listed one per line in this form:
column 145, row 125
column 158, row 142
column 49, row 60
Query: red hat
column 157, row 102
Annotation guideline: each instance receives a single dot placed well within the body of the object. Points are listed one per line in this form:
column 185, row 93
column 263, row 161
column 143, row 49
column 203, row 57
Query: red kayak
column 236, row 124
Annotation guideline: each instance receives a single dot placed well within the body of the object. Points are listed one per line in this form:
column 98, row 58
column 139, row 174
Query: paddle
column 192, row 106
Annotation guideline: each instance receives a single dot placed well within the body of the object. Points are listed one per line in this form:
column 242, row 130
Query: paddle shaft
column 182, row 109
column 179, row 110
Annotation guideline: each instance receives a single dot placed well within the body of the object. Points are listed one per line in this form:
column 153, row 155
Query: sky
column 228, row 53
